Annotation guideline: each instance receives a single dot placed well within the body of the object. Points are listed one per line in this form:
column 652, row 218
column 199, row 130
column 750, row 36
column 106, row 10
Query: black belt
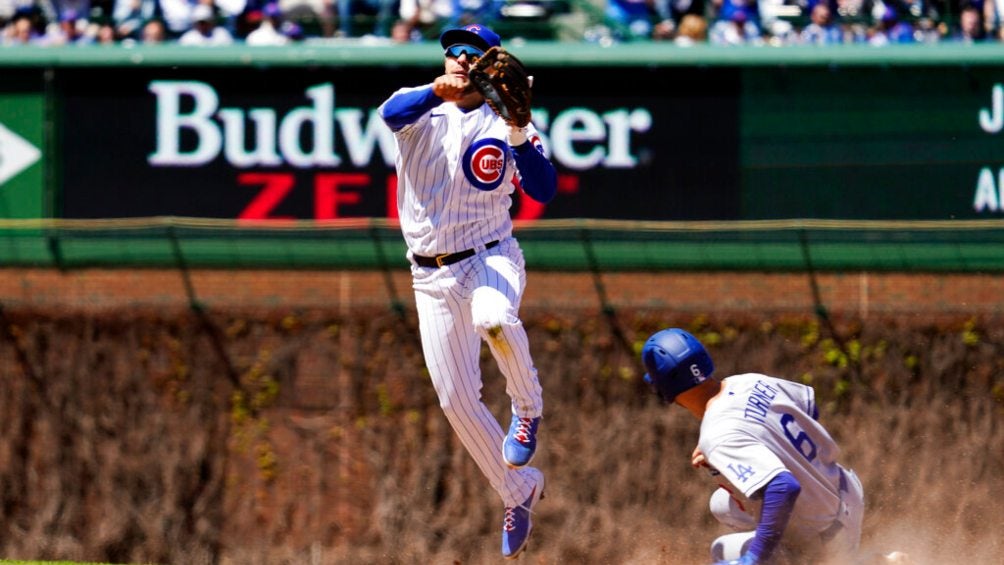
column 448, row 258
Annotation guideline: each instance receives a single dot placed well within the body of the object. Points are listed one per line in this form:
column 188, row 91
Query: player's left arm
column 779, row 497
column 536, row 173
column 406, row 106
column 757, row 473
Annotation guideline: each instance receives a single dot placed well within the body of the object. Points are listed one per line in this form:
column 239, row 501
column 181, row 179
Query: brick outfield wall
column 856, row 294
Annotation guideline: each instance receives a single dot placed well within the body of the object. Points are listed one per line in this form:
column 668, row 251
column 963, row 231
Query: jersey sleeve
column 537, row 175
column 779, row 497
column 407, row 106
column 747, row 464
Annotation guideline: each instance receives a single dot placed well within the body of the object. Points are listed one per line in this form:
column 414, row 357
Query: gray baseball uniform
column 760, row 426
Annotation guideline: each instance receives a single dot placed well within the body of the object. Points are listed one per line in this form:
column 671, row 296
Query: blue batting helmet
column 676, row 362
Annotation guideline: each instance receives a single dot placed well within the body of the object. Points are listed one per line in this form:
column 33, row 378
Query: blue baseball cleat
column 521, row 441
column 517, row 523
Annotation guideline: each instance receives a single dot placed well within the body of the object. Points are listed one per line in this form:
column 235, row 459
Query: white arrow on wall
column 16, row 154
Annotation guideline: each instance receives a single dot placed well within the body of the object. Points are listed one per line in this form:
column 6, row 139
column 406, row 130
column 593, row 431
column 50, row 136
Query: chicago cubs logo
column 484, row 162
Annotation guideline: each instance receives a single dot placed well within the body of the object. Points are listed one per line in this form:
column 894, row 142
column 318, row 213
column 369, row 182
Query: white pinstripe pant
column 458, row 306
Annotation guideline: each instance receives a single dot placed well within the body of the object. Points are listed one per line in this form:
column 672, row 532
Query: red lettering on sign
column 331, row 194
column 275, row 187
column 328, row 196
column 392, row 196
column 568, row 184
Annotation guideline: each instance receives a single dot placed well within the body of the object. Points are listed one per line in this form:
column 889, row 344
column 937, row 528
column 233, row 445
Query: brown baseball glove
column 502, row 79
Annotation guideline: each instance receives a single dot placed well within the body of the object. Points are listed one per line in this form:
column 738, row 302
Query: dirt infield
column 294, row 424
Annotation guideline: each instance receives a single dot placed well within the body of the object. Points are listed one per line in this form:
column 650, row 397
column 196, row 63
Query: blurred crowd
column 682, row 22
column 805, row 22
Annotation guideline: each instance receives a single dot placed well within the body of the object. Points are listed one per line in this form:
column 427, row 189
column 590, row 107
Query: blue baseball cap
column 471, row 34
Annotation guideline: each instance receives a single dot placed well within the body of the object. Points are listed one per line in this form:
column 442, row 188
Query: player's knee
column 731, row 546
column 491, row 312
column 492, row 325
column 728, row 510
column 453, row 404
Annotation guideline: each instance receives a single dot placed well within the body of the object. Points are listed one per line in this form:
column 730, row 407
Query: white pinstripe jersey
column 455, row 179
column 760, row 426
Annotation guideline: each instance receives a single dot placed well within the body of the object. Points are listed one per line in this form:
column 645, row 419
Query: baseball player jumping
column 775, row 465
column 458, row 164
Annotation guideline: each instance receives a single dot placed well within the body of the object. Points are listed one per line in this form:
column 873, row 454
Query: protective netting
column 570, row 245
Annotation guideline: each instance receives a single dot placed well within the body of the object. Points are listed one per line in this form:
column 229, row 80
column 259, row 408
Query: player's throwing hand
column 451, row 88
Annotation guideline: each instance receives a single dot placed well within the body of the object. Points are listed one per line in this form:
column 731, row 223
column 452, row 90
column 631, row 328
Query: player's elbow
column 538, row 177
column 544, row 196
column 392, row 119
column 550, row 187
column 544, row 187
column 786, row 486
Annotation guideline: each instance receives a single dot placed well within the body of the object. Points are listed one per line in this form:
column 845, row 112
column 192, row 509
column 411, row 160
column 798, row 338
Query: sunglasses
column 455, row 51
